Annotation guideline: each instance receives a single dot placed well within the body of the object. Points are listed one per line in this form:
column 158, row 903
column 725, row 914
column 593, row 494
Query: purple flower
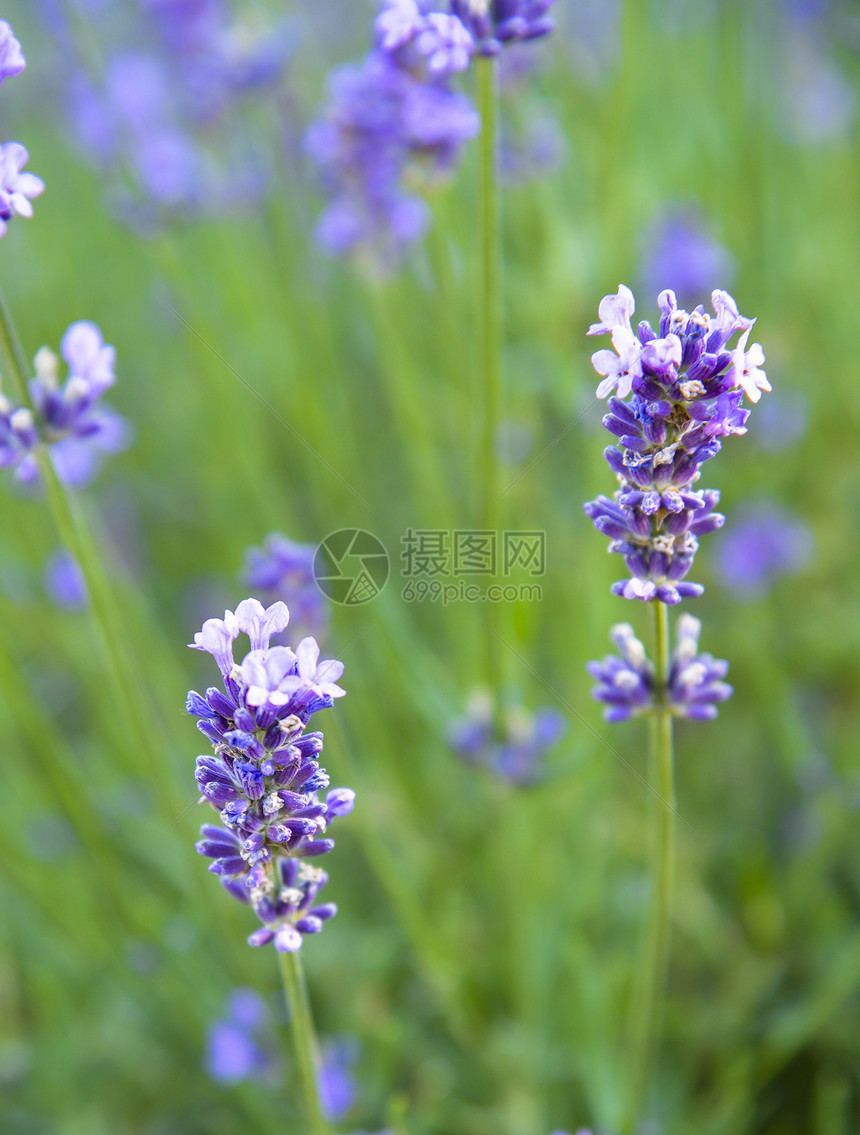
column 397, row 24
column 781, row 420
column 495, row 23
column 17, row 188
column 283, row 569
column 511, row 743
column 819, row 102
column 679, row 390
column 12, row 61
column 625, row 681
column 534, row 149
column 18, row 435
column 445, row 43
column 218, row 59
column 64, row 581
column 677, row 247
column 73, row 423
column 239, row 1045
column 764, row 542
column 388, row 119
column 264, row 775
column 336, row 1081
column 186, row 26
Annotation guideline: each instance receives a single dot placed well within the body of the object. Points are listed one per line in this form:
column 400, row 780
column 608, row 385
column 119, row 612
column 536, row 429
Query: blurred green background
column 487, row 934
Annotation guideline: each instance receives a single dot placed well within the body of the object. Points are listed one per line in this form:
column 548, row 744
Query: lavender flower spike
column 264, row 775
column 496, row 23
column 12, row 61
column 677, row 391
column 17, row 187
column 71, row 419
column 391, row 121
column 509, row 741
column 625, row 682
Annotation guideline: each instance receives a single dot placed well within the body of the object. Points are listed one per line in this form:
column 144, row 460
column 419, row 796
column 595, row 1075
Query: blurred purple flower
column 782, row 420
column 12, row 61
column 678, row 248
column 284, row 569
column 818, row 102
column 336, row 1082
column 496, row 23
column 765, row 542
column 186, row 26
column 238, row 1045
column 445, row 43
column 17, row 188
column 164, row 124
column 535, row 149
column 17, row 435
column 382, row 123
column 76, row 426
column 593, row 33
column 511, row 743
column 64, row 581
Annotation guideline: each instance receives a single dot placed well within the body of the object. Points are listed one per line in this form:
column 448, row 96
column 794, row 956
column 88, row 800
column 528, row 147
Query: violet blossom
column 677, row 392
column 264, row 775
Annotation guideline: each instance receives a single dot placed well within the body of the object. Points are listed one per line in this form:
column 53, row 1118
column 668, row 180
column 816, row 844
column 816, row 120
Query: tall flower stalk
column 263, row 778
column 305, row 1047
column 74, row 535
column 53, row 434
column 490, row 331
column 676, row 392
column 648, row 1006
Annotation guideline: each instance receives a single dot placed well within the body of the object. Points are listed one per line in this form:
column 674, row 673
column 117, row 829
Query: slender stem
column 304, row 1040
column 490, row 315
column 75, row 536
column 14, row 354
column 491, row 334
column 649, row 1000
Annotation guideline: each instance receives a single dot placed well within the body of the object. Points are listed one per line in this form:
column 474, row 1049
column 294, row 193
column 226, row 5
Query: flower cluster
column 390, row 117
column 239, row 1044
column 678, row 245
column 511, row 744
column 264, row 775
column 17, row 187
column 496, row 23
column 68, row 418
column 765, row 542
column 283, row 569
column 161, row 124
column 677, row 392
column 626, row 682
column 394, row 117
column 12, row 61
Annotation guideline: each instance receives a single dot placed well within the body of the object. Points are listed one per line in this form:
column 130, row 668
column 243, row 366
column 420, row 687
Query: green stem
column 649, row 1000
column 490, row 317
column 491, row 335
column 75, row 536
column 304, row 1040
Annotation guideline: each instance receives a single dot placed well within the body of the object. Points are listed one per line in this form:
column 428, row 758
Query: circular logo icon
column 351, row 566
